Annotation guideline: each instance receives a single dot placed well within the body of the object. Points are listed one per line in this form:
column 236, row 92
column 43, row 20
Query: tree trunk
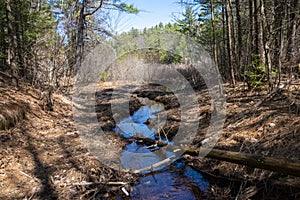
column 265, row 36
column 214, row 33
column 261, row 162
column 251, row 44
column 19, row 46
column 234, row 43
column 279, row 13
column 12, row 44
column 259, row 32
column 239, row 36
column 292, row 27
column 215, row 47
column 80, row 36
column 229, row 43
column 256, row 27
column 224, row 54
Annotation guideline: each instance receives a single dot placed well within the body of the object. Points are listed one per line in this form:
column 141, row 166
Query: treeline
column 250, row 40
column 253, row 41
column 26, row 32
column 43, row 42
column 156, row 39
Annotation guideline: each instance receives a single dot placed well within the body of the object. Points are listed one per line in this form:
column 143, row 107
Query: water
column 138, row 156
column 176, row 181
column 135, row 125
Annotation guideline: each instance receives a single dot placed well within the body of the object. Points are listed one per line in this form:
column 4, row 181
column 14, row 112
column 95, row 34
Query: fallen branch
column 278, row 89
column 268, row 163
column 84, row 183
column 158, row 164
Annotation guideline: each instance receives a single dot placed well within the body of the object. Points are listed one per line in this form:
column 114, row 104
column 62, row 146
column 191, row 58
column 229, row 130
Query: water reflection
column 135, row 125
column 138, row 156
column 175, row 182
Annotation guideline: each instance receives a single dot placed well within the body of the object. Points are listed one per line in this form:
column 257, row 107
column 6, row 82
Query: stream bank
column 42, row 157
column 246, row 130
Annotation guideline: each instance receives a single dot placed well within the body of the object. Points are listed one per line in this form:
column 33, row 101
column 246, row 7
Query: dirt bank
column 42, row 157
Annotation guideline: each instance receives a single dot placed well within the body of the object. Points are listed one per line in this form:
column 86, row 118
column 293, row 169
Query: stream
column 176, row 181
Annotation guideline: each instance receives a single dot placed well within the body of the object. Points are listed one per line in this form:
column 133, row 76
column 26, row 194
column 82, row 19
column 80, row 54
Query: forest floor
column 42, row 157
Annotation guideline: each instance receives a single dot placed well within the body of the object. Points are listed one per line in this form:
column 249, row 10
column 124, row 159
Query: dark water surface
column 177, row 181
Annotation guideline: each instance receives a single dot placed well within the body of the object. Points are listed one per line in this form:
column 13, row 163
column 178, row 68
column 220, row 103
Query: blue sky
column 152, row 12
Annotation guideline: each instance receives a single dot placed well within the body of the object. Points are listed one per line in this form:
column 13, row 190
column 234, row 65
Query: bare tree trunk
column 278, row 30
column 259, row 29
column 224, row 60
column 19, row 46
column 12, row 43
column 239, row 35
column 266, row 42
column 229, row 43
column 234, row 43
column 215, row 46
column 291, row 33
column 80, row 36
column 81, row 30
column 256, row 27
column 250, row 33
column 250, row 44
column 214, row 33
column 280, row 57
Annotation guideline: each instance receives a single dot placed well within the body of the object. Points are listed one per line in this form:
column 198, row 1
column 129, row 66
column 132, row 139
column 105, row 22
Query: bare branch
column 94, row 11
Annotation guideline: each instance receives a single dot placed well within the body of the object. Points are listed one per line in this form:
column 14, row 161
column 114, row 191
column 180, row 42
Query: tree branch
column 94, row 11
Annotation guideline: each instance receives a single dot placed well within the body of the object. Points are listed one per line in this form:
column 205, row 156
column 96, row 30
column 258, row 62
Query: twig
column 36, row 179
column 125, row 191
column 166, row 136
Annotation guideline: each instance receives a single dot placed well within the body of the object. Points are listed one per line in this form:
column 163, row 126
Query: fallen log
column 283, row 166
